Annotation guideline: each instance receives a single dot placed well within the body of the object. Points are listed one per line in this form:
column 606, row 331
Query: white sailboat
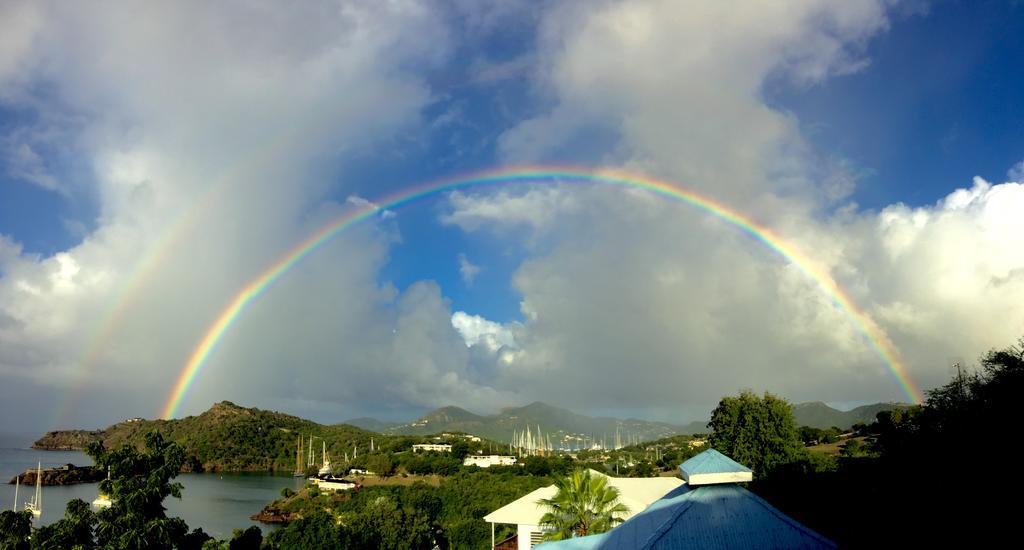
column 102, row 501
column 36, row 504
column 325, row 469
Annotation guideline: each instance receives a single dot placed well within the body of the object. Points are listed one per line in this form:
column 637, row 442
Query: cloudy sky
column 156, row 157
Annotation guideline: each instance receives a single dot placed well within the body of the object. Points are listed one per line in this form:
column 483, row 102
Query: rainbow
column 257, row 286
column 173, row 237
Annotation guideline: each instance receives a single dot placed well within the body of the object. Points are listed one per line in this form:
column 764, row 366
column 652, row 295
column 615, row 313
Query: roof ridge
column 672, row 519
column 783, row 516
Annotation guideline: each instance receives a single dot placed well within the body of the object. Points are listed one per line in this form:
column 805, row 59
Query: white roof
column 637, row 493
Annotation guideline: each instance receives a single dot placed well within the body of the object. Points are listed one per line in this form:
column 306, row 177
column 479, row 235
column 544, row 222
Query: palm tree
column 584, row 505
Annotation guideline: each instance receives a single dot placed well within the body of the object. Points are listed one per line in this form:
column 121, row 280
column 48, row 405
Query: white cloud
column 505, row 210
column 21, row 22
column 1016, row 172
column 362, row 204
column 209, row 156
column 467, row 269
column 684, row 96
column 476, row 330
column 25, row 164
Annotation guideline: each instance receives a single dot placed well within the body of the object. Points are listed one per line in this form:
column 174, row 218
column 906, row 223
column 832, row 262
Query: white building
column 486, row 461
column 637, row 493
column 439, row 447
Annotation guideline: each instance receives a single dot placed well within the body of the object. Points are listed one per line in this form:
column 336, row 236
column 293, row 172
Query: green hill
column 819, row 415
column 371, row 424
column 226, row 438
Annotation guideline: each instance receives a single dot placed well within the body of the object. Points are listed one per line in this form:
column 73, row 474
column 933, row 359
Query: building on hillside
column 438, row 447
column 637, row 493
column 710, row 511
column 451, row 436
column 486, row 461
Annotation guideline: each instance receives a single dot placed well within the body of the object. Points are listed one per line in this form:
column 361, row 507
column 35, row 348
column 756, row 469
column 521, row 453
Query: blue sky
column 938, row 104
column 854, row 129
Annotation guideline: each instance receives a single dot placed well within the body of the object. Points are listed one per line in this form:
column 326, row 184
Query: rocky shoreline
column 273, row 514
column 69, row 474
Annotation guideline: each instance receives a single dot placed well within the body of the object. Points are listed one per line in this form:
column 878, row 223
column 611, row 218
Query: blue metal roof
column 711, row 462
column 712, row 516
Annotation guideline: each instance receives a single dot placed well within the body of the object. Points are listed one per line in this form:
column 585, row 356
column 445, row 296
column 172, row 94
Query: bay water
column 219, row 503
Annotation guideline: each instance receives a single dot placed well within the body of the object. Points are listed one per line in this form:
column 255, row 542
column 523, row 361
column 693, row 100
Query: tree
column 537, row 466
column 383, row 524
column 74, row 530
column 139, row 482
column 460, row 449
column 758, row 432
column 853, row 448
column 380, row 464
column 15, row 528
column 249, row 539
column 584, row 505
column 316, row 531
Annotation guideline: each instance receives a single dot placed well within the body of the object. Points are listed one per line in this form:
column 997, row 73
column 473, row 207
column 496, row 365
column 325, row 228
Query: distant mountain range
column 562, row 423
column 819, row 415
column 558, row 423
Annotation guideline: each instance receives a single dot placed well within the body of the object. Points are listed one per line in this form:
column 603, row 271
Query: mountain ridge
column 562, row 424
column 500, row 426
column 817, row 414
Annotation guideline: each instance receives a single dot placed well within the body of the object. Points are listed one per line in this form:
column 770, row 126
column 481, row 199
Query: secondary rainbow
column 257, row 286
column 171, row 238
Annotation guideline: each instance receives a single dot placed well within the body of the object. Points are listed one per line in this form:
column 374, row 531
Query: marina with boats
column 325, row 477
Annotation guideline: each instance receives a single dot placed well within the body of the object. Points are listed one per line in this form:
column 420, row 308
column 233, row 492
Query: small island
column 68, row 474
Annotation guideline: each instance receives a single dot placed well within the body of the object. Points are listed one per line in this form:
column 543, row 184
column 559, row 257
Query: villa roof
column 715, row 514
column 637, row 493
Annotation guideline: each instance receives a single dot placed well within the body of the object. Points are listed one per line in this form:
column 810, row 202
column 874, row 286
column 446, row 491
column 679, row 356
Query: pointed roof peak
column 711, row 467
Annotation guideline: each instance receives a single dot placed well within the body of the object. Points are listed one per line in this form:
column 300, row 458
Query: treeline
column 400, row 517
column 938, row 474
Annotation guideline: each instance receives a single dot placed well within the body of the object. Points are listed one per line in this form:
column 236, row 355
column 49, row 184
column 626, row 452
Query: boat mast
column 17, row 484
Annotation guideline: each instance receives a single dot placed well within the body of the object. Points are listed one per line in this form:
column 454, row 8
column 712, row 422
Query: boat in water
column 36, row 504
column 102, row 501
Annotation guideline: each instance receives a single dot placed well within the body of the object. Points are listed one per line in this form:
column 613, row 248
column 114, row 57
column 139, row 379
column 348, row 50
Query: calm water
column 219, row 503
